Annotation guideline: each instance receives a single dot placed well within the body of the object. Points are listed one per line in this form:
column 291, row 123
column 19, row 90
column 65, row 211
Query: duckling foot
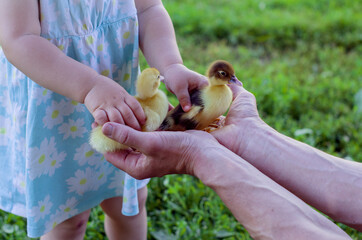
column 215, row 125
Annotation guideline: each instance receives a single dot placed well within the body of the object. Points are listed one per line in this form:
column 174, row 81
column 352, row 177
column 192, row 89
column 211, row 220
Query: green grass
column 281, row 23
column 301, row 59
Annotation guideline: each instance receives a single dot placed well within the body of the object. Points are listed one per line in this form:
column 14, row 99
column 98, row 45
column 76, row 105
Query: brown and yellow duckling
column 207, row 103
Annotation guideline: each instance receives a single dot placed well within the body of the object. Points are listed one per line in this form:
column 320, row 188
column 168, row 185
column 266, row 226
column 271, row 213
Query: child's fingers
column 137, row 110
column 202, row 81
column 183, row 97
column 129, row 117
column 100, row 116
column 115, row 115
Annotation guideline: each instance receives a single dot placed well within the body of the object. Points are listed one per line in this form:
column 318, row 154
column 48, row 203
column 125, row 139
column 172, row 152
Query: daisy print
column 19, row 209
column 92, row 62
column 72, row 129
column 101, row 176
column 49, row 17
column 77, row 106
column 16, row 77
column 135, row 59
column 42, row 209
column 81, row 182
column 55, row 113
column 54, row 220
column 102, row 48
column 83, row 22
column 117, row 75
column 124, row 38
column 41, row 158
column 19, row 118
column 117, row 182
column 127, row 71
column 20, row 183
column 20, row 146
column 42, row 95
column 69, row 208
column 54, row 162
column 123, row 76
column 86, row 154
column 5, row 127
column 62, row 44
column 88, row 45
column 5, row 101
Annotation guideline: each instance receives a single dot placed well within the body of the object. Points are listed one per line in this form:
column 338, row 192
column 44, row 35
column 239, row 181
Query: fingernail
column 107, row 129
column 186, row 108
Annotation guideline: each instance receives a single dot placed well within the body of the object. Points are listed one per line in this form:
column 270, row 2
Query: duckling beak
column 162, row 78
column 235, row 80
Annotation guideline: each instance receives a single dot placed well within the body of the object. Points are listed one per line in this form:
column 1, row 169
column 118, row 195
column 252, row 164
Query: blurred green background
column 301, row 59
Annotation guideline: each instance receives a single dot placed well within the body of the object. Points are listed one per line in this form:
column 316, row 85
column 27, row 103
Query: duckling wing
column 178, row 120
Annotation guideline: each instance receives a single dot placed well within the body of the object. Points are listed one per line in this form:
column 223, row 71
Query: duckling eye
column 222, row 73
column 158, row 76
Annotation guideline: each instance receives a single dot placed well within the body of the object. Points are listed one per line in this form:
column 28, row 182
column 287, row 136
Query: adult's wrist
column 209, row 165
column 255, row 136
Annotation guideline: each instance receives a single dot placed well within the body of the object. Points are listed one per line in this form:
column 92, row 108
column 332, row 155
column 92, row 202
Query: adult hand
column 241, row 121
column 298, row 167
column 158, row 153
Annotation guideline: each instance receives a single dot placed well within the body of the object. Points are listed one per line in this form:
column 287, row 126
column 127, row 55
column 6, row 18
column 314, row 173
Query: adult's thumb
column 236, row 89
column 123, row 134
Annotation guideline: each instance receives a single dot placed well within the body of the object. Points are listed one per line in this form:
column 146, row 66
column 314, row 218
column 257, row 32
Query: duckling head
column 221, row 72
column 148, row 82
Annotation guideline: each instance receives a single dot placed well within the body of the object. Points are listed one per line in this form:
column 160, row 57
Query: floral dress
column 48, row 171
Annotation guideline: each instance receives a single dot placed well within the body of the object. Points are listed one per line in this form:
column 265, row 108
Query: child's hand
column 179, row 80
column 109, row 102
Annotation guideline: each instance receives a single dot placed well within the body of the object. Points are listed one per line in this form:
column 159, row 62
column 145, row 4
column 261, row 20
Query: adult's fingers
column 126, row 160
column 236, row 89
column 244, row 98
column 135, row 164
column 243, row 106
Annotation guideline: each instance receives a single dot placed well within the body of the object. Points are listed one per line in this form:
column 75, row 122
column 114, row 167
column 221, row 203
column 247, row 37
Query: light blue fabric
column 48, row 171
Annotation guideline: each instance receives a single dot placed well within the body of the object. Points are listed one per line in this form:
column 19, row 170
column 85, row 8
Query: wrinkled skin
column 157, row 161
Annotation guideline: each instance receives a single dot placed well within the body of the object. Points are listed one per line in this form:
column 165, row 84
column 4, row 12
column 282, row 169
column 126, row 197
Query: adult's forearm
column 330, row 184
column 264, row 208
column 157, row 38
column 45, row 64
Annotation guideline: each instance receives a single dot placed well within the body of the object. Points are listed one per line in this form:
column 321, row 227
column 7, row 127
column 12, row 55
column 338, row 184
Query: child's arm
column 159, row 46
column 45, row 64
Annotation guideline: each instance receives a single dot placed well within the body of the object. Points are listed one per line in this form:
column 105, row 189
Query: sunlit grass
column 301, row 59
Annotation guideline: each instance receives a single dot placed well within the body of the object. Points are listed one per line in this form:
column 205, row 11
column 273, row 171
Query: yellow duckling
column 207, row 103
column 154, row 103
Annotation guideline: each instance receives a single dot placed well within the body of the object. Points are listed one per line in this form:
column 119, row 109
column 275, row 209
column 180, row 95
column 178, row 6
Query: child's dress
column 48, row 172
